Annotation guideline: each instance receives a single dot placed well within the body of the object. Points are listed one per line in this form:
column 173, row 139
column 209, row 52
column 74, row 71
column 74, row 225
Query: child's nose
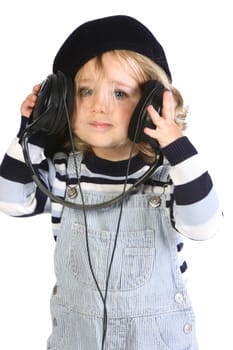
column 101, row 101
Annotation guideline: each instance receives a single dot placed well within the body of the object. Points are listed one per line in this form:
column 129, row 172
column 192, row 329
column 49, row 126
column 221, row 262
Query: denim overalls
column 147, row 303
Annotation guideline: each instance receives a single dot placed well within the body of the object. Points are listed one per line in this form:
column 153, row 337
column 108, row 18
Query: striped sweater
column 195, row 207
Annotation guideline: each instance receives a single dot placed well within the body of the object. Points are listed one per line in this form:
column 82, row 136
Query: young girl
column 120, row 276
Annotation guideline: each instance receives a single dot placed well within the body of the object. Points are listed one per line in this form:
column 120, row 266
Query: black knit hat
column 105, row 34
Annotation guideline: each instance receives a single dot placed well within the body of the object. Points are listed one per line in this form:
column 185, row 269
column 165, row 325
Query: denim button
column 72, row 192
column 155, row 202
column 187, row 328
column 179, row 298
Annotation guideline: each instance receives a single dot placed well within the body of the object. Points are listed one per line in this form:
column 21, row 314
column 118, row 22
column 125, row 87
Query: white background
column 197, row 38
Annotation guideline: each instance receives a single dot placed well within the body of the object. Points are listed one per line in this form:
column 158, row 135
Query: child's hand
column 30, row 101
column 166, row 130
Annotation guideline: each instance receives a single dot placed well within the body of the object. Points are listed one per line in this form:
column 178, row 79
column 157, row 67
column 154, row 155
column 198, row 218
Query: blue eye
column 119, row 94
column 83, row 92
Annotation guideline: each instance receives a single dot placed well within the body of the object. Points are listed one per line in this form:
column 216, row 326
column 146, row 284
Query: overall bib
column 147, row 304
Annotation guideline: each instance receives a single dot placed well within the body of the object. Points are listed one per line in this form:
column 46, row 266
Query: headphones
column 55, row 100
column 51, row 115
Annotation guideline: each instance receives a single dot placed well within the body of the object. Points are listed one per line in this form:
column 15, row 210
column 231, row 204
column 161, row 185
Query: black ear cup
column 152, row 94
column 54, row 105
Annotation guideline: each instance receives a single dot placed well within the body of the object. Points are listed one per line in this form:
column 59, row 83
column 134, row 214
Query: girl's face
column 104, row 103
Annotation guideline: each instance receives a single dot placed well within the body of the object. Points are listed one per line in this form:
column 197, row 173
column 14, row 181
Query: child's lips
column 100, row 125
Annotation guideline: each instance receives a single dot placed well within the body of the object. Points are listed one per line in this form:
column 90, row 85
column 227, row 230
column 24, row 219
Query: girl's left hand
column 166, row 130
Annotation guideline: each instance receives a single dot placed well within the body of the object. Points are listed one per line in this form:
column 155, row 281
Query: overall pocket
column 136, row 266
column 132, row 263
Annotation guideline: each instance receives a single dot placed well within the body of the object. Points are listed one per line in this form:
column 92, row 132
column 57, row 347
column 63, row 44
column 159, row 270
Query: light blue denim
column 147, row 304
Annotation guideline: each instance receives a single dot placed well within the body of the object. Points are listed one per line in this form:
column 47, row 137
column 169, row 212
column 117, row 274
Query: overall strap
column 161, row 174
column 74, row 164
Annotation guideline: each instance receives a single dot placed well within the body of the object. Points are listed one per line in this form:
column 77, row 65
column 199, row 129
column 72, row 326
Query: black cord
column 41, row 186
column 114, row 247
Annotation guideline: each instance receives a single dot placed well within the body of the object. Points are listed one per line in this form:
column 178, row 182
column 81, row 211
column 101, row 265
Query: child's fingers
column 168, row 109
column 36, row 89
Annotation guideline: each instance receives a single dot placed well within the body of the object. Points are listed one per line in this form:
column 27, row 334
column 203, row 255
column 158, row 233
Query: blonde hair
column 143, row 69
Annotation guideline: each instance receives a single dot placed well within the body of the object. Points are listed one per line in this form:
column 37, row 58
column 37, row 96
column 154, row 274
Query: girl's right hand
column 30, row 101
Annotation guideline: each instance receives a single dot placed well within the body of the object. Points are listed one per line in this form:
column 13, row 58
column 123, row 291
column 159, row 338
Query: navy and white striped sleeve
column 19, row 196
column 196, row 208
